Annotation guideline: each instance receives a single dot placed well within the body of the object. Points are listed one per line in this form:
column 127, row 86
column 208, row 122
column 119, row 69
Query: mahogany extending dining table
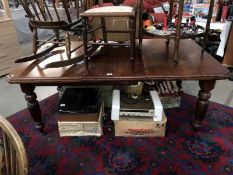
column 111, row 66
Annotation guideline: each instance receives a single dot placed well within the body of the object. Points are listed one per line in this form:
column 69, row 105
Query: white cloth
column 225, row 28
column 115, row 114
column 111, row 9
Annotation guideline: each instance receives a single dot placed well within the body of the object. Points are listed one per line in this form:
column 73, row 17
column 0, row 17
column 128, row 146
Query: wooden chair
column 106, row 13
column 89, row 4
column 61, row 19
column 13, row 158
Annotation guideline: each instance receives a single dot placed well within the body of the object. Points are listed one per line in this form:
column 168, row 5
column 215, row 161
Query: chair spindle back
column 14, row 158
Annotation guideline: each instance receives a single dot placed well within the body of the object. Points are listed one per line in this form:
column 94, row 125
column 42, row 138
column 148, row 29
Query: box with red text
column 140, row 127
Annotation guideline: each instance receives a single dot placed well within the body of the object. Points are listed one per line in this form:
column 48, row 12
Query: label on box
column 70, row 126
column 91, row 128
column 144, row 127
column 141, row 132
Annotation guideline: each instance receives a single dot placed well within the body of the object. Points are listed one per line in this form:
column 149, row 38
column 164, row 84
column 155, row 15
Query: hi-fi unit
column 141, row 106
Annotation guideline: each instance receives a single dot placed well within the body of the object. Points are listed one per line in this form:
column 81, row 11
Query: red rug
column 181, row 152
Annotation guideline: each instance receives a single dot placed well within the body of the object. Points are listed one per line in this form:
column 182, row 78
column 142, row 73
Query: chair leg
column 67, row 43
column 132, row 41
column 167, row 42
column 34, row 41
column 57, row 35
column 92, row 33
column 140, row 39
column 104, row 33
column 140, row 27
column 85, row 42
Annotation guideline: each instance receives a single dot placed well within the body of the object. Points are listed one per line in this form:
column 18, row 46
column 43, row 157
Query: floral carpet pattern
column 181, row 152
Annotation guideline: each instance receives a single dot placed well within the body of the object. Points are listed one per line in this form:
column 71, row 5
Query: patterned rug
column 181, row 152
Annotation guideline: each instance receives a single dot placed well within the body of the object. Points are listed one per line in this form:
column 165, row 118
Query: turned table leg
column 33, row 105
column 203, row 101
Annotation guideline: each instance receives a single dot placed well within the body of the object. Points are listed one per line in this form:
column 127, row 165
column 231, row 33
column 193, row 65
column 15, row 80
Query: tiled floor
column 222, row 93
column 12, row 99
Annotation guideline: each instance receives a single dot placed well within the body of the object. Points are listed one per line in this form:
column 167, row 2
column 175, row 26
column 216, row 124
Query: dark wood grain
column 33, row 105
column 158, row 62
column 203, row 101
column 113, row 66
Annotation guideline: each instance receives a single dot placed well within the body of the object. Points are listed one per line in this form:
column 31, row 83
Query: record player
column 131, row 105
column 136, row 106
column 80, row 101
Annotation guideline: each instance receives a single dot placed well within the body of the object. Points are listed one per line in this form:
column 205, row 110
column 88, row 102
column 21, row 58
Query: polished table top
column 112, row 65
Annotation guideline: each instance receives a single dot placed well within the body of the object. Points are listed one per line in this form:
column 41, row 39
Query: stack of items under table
column 143, row 115
column 137, row 110
column 80, row 112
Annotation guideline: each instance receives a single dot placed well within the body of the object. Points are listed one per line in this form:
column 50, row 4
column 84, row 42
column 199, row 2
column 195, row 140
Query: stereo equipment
column 136, row 106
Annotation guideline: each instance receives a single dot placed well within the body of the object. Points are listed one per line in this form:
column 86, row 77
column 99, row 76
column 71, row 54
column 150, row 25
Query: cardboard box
column 140, row 127
column 80, row 124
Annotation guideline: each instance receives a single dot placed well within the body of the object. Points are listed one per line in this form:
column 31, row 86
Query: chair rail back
column 42, row 10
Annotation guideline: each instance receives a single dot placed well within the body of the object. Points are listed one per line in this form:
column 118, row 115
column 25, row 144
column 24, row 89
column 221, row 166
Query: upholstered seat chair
column 113, row 26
